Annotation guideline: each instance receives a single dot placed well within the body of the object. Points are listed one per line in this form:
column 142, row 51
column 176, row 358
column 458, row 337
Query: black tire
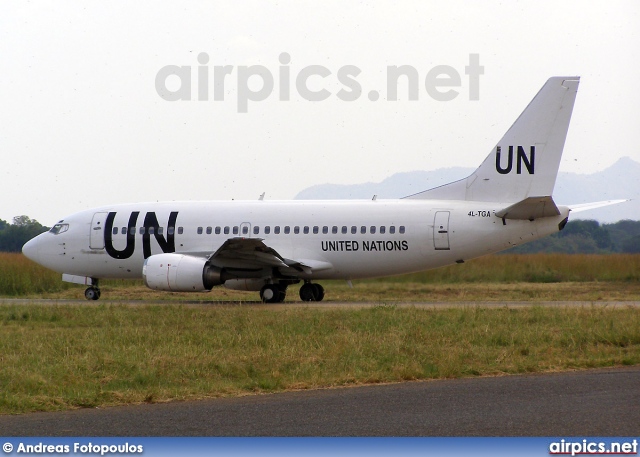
column 92, row 293
column 318, row 292
column 311, row 292
column 273, row 293
column 307, row 292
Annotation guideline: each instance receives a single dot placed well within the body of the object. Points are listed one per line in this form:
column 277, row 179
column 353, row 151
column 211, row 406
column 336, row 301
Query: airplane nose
column 31, row 249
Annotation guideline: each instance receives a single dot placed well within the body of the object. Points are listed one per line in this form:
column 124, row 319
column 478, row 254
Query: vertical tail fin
column 525, row 161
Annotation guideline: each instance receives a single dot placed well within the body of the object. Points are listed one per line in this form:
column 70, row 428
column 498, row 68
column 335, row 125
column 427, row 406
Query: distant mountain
column 621, row 180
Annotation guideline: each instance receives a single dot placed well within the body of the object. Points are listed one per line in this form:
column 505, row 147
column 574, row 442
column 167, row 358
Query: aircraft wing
column 251, row 253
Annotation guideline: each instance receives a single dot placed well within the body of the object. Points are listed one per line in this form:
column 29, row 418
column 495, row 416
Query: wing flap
column 246, row 253
column 251, row 253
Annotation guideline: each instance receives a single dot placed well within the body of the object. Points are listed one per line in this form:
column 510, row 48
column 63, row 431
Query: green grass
column 62, row 357
column 533, row 268
column 55, row 357
column 21, row 277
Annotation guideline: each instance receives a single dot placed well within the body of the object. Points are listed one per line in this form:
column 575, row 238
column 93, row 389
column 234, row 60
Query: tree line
column 13, row 236
column 588, row 237
column 578, row 237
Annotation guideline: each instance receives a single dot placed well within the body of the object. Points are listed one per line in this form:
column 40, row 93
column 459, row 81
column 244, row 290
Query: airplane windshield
column 59, row 228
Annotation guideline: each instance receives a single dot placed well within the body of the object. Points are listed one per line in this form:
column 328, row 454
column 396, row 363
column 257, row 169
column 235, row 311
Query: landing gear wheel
column 319, row 291
column 92, row 293
column 311, row 292
column 273, row 293
column 306, row 292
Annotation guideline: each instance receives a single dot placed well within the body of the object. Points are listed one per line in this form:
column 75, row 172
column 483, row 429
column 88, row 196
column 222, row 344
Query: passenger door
column 96, row 237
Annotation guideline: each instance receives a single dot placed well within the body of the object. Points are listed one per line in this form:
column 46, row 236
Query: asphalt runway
column 602, row 402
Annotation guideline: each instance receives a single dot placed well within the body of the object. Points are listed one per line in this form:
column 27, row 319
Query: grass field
column 61, row 357
column 55, row 357
column 497, row 277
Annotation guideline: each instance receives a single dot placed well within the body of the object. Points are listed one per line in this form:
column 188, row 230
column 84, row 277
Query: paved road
column 597, row 402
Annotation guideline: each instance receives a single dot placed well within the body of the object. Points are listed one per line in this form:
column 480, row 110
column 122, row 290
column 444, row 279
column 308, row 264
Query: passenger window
column 305, row 230
column 267, row 230
column 235, row 229
column 160, row 230
column 256, row 229
column 209, row 230
column 382, row 229
column 372, row 229
column 392, row 229
column 245, row 230
column 171, row 230
column 402, row 229
column 325, row 229
column 217, row 230
column 151, row 230
column 334, row 229
column 296, row 229
column 132, row 231
column 226, row 230
column 363, row 229
column 180, row 230
column 354, row 229
column 123, row 231
column 141, row 230
column 115, row 230
column 315, row 229
column 344, row 229
column 287, row 229
column 199, row 230
column 276, row 230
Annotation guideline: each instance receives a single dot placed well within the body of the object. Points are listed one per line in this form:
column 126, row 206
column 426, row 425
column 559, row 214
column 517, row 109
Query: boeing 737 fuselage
column 267, row 245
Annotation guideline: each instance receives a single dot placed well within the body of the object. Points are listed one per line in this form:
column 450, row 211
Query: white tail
column 524, row 164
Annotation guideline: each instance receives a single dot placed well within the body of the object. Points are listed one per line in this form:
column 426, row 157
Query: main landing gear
column 273, row 293
column 311, row 292
column 276, row 293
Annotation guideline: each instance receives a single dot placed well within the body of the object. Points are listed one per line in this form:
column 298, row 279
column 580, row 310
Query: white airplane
column 267, row 245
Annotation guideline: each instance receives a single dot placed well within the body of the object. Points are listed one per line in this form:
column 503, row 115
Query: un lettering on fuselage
column 167, row 244
column 521, row 159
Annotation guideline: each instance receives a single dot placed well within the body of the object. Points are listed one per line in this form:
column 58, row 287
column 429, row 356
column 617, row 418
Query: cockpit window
column 59, row 228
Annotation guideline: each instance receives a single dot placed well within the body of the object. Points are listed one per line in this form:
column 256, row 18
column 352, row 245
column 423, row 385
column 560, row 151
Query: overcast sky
column 82, row 123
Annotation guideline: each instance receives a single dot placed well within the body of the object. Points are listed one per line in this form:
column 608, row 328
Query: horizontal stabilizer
column 594, row 205
column 530, row 208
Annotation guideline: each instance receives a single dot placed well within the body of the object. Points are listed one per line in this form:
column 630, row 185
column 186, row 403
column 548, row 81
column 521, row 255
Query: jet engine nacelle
column 180, row 273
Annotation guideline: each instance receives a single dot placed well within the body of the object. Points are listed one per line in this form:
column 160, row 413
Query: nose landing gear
column 92, row 293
